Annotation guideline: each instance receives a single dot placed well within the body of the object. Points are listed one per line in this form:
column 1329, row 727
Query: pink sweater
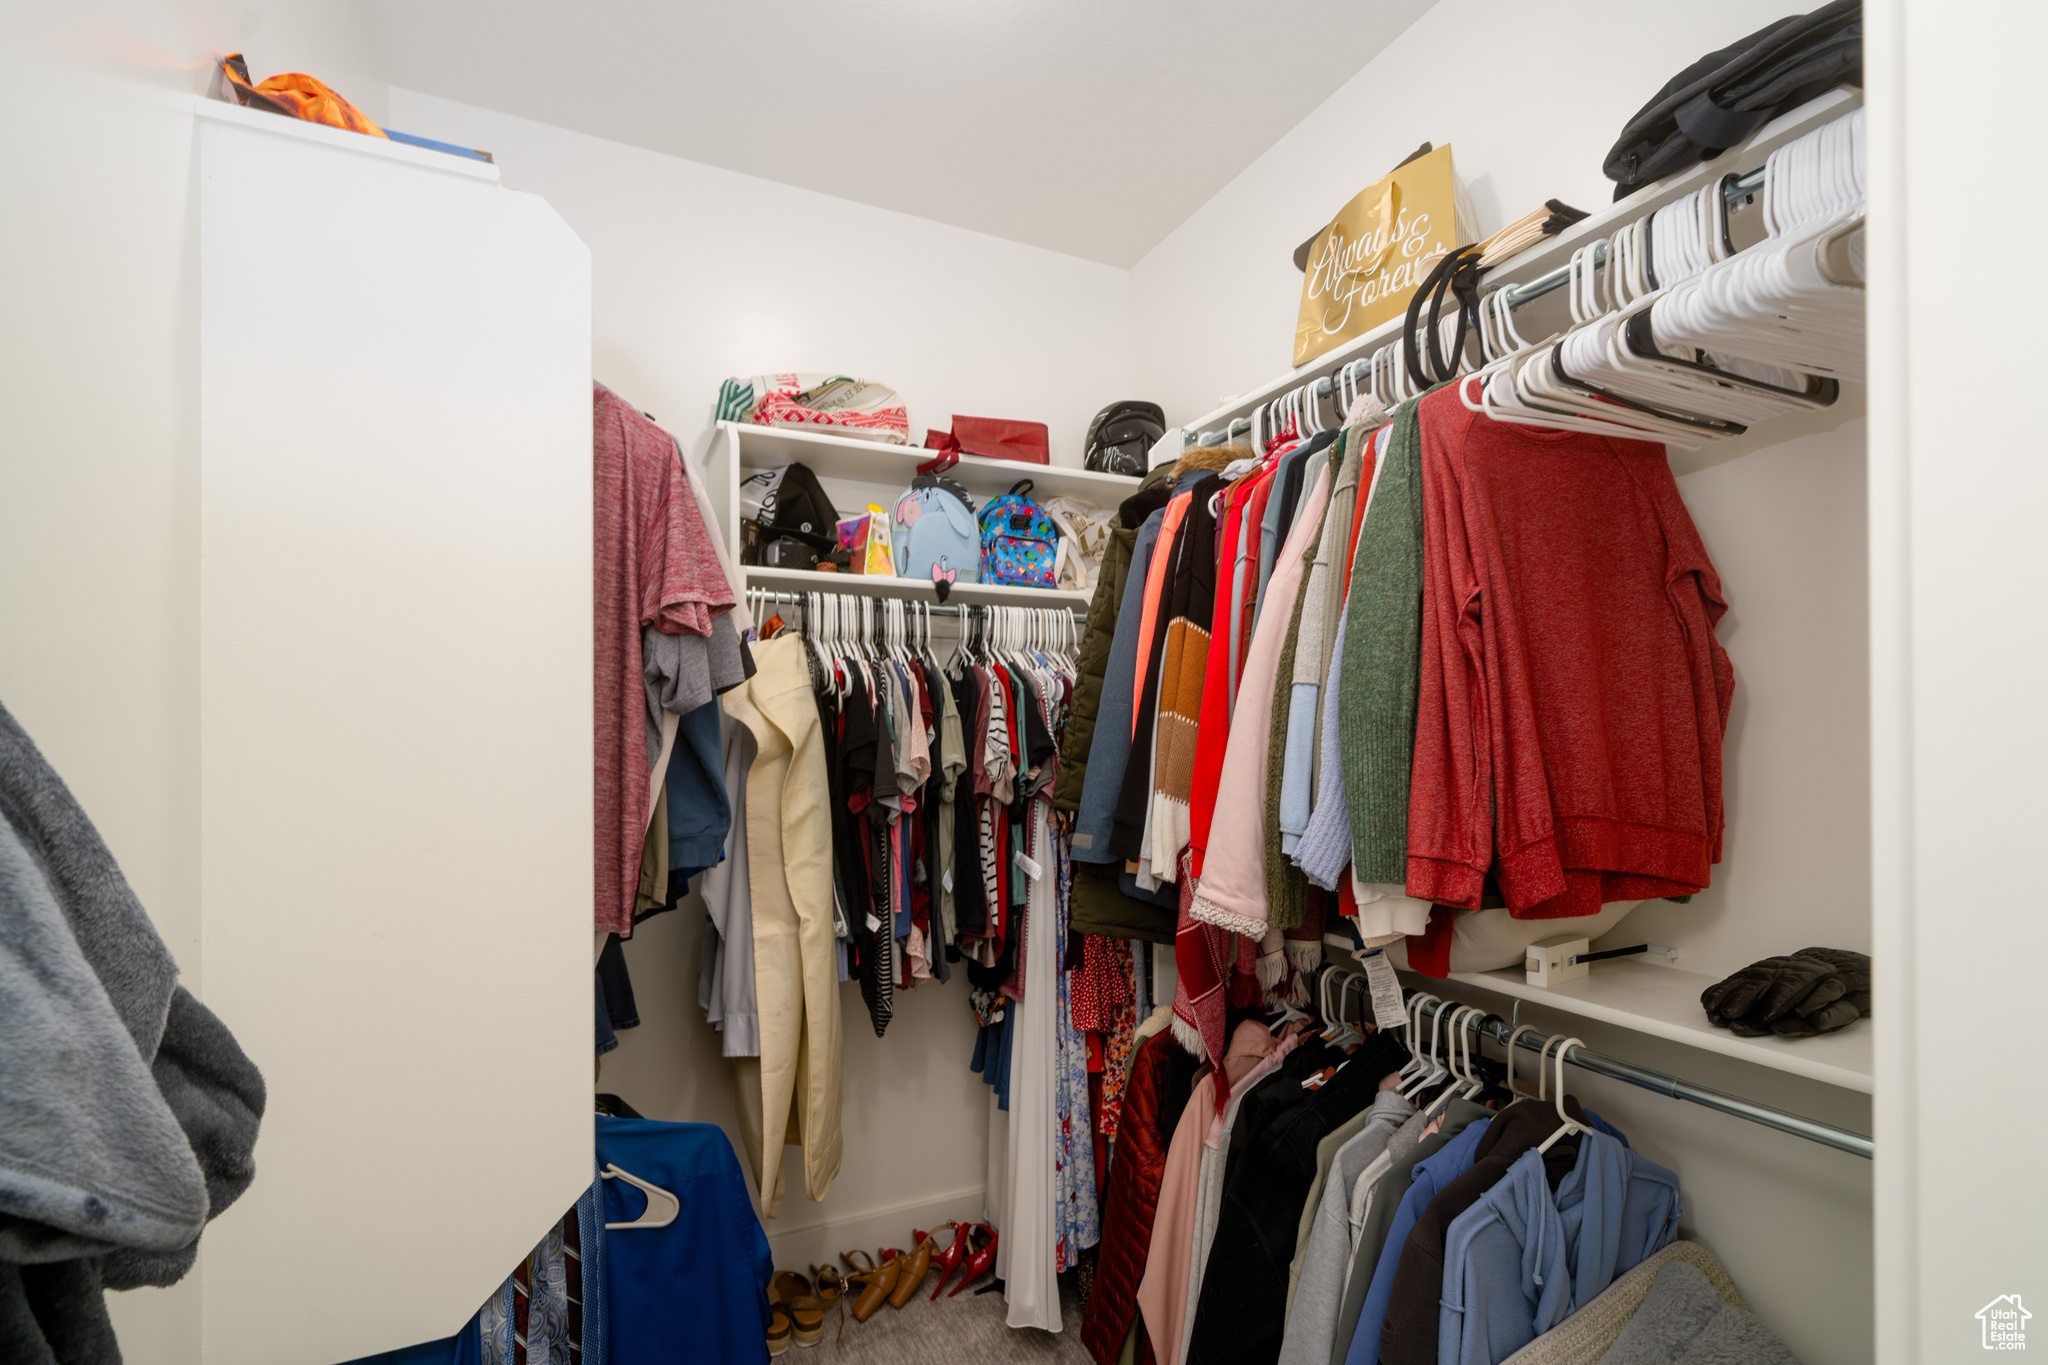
column 1232, row 891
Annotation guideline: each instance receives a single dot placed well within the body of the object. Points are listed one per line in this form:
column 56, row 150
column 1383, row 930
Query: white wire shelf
column 852, row 460
column 919, row 590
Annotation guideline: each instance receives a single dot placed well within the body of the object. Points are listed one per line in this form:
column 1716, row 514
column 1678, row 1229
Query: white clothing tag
column 1386, row 992
column 1030, row 866
column 1084, row 841
column 947, row 879
column 873, row 923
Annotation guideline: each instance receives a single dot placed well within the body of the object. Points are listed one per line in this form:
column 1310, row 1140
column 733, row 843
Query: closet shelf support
column 1614, row 1068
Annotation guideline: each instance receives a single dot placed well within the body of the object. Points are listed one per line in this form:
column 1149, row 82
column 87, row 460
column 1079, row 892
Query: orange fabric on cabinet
column 296, row 95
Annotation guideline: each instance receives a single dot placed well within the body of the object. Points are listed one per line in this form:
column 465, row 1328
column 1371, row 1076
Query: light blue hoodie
column 1519, row 1261
column 1506, row 1277
column 1616, row 1208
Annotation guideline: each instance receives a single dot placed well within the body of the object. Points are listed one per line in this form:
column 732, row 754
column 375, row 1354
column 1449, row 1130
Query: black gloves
column 1815, row 990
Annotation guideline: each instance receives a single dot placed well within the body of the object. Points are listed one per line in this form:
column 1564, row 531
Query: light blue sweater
column 1324, row 849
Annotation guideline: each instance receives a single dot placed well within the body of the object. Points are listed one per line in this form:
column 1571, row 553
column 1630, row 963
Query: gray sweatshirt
column 130, row 1113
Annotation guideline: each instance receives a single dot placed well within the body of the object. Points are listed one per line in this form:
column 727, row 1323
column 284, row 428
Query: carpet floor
column 968, row 1330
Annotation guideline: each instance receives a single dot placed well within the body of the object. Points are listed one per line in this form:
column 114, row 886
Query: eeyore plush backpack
column 937, row 538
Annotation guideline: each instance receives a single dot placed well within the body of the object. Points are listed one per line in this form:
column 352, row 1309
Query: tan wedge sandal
column 806, row 1312
column 831, row 1292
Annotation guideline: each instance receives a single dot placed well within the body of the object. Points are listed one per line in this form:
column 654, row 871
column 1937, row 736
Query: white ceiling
column 1091, row 127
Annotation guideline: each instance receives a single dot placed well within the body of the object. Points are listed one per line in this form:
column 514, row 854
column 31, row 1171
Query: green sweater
column 1383, row 660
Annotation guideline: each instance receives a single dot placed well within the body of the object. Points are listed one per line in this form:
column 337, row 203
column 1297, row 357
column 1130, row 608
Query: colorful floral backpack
column 1019, row 542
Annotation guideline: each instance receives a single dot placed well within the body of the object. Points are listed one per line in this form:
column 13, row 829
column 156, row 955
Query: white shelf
column 1665, row 1003
column 879, row 585
column 876, row 462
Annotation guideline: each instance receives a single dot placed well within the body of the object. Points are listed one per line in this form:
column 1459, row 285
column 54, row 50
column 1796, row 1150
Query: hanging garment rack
column 777, row 597
column 1505, row 1033
column 1734, row 188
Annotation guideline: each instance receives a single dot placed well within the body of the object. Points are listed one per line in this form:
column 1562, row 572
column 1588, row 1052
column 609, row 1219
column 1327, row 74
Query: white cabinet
column 394, row 728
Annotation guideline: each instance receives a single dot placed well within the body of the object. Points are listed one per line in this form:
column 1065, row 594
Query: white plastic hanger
column 1513, row 1038
column 1458, row 1078
column 1435, row 1070
column 1567, row 1122
column 657, row 1199
column 1411, row 1036
column 1470, row 1036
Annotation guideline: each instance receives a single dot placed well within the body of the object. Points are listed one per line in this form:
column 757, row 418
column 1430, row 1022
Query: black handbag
column 1725, row 96
column 1122, row 436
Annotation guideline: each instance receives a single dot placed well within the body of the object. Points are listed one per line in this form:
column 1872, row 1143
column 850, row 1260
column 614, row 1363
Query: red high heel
column 948, row 1260
column 980, row 1259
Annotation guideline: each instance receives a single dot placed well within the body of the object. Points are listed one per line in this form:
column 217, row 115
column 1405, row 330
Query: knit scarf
column 1202, row 957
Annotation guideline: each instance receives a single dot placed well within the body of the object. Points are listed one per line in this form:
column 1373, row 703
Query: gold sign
column 1368, row 261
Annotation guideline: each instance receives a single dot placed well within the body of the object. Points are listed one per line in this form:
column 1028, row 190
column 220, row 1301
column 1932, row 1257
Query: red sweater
column 1573, row 695
column 1213, row 730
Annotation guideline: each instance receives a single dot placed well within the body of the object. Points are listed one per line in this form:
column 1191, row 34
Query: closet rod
column 1734, row 188
column 1600, row 1064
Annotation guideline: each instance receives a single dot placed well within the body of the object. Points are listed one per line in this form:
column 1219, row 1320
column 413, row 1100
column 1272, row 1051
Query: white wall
column 700, row 273
column 99, row 629
column 1781, row 511
column 703, row 273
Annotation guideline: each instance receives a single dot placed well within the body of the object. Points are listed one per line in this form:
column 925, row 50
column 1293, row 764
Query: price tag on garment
column 1030, row 866
column 873, row 923
column 947, row 879
column 1386, row 992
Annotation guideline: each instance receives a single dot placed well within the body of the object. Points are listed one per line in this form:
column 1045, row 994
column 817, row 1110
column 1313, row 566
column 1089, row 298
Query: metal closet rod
column 1600, row 1064
column 1739, row 187
column 1733, row 189
column 795, row 599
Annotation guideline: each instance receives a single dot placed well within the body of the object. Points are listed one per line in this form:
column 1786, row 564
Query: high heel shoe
column 915, row 1267
column 981, row 1256
column 949, row 1260
column 877, row 1282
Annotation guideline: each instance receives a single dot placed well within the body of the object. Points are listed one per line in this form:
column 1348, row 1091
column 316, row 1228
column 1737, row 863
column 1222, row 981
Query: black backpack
column 1122, row 435
column 1725, row 96
column 799, row 509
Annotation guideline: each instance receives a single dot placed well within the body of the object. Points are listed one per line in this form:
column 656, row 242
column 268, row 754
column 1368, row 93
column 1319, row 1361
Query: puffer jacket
column 1097, row 633
column 1160, row 1072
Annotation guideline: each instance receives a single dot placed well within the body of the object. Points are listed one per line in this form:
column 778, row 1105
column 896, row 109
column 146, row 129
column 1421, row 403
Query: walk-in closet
column 1158, row 684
